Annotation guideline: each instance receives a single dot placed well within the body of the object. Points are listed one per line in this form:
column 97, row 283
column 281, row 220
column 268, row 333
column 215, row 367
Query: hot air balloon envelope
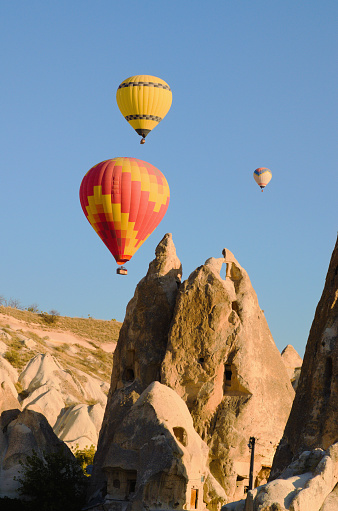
column 144, row 101
column 124, row 200
column 262, row 176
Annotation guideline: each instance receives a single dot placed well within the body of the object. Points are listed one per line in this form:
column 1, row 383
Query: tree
column 33, row 308
column 50, row 317
column 14, row 303
column 52, row 482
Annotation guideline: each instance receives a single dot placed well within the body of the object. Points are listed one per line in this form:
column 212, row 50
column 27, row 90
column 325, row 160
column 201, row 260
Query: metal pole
column 252, row 459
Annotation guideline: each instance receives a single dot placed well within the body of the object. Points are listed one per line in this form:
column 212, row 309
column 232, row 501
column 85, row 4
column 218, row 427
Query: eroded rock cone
column 208, row 340
column 157, row 457
column 141, row 346
column 21, row 433
column 313, row 421
column 222, row 360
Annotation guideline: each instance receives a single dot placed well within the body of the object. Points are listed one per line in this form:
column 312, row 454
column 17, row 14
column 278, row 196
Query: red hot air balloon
column 124, row 200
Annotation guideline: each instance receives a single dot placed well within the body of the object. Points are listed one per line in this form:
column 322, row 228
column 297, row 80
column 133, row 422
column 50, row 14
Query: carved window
column 227, row 375
column 181, row 435
column 116, row 483
column 128, row 375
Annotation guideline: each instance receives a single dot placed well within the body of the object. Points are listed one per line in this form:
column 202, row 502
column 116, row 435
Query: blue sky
column 253, row 85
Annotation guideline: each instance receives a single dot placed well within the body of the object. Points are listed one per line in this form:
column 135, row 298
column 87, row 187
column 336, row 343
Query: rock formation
column 308, row 484
column 20, row 434
column 208, row 340
column 79, row 425
column 222, row 360
column 293, row 363
column 313, row 421
column 142, row 344
column 157, row 457
column 62, row 397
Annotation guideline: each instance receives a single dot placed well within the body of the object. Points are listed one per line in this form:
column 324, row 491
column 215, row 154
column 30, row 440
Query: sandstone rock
column 157, row 459
column 80, row 425
column 308, row 484
column 9, row 375
column 28, row 343
column 48, row 400
column 141, row 345
column 20, row 434
column 331, row 501
column 56, row 393
column 94, row 389
column 45, row 371
column 8, row 398
column 209, row 341
column 293, row 363
column 5, row 335
column 221, row 359
column 313, row 420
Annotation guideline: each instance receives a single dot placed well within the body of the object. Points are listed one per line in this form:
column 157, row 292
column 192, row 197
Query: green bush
column 13, row 357
column 50, row 317
column 84, row 456
column 54, row 482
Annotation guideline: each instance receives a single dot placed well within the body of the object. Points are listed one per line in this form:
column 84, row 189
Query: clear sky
column 253, row 85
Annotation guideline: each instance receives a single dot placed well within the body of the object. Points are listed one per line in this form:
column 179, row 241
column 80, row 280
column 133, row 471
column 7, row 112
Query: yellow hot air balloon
column 144, row 101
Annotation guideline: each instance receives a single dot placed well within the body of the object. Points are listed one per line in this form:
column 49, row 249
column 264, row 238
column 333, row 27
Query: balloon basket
column 122, row 271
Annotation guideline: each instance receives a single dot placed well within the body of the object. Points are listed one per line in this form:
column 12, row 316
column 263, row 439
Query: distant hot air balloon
column 262, row 177
column 124, row 200
column 144, row 101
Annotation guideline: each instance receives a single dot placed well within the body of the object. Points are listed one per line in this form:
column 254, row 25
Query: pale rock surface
column 141, row 345
column 9, row 375
column 208, row 340
column 45, row 400
column 293, row 363
column 331, row 501
column 20, row 434
column 94, row 389
column 79, row 425
column 222, row 360
column 157, row 449
column 3, row 347
column 28, row 343
column 45, row 371
column 5, row 335
column 313, row 420
column 8, row 398
column 308, row 484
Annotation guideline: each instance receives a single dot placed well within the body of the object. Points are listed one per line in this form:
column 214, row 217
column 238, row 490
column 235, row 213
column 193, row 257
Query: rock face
column 61, row 396
column 79, row 425
column 208, row 340
column 141, row 346
column 221, row 359
column 293, row 363
column 313, row 420
column 157, row 457
column 20, row 434
column 308, row 484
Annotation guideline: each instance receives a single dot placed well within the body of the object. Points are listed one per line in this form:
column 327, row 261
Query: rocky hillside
column 57, row 366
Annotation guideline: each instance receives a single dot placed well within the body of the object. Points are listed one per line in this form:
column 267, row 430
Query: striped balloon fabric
column 124, row 200
column 144, row 101
column 262, row 176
